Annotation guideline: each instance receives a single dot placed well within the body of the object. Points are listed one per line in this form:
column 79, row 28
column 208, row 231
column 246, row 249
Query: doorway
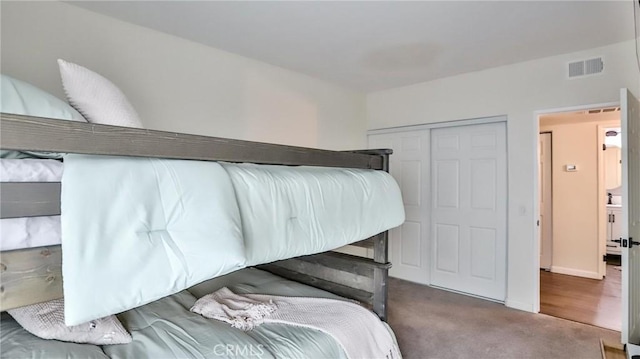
column 579, row 280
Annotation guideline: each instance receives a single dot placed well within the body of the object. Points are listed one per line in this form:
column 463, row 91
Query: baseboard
column 612, row 350
column 527, row 307
column 575, row 272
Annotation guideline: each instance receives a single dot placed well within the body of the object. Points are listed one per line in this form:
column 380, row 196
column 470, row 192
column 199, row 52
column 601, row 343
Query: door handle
column 626, row 242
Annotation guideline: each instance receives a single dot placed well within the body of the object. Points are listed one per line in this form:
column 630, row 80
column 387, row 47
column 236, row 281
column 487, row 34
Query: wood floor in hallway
column 584, row 300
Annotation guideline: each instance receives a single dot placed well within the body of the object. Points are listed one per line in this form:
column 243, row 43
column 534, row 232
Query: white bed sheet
column 28, row 232
column 30, row 170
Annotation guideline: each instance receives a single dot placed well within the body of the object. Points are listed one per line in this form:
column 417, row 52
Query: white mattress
column 293, row 211
column 27, row 232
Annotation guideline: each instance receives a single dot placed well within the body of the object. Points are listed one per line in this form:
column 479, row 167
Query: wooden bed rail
column 359, row 278
column 30, row 276
column 34, row 275
column 29, row 199
column 27, row 133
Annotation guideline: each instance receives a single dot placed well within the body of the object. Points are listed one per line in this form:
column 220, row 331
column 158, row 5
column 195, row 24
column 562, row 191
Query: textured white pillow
column 46, row 320
column 96, row 98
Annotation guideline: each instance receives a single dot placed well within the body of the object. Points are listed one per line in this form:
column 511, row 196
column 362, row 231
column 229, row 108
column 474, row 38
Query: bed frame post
column 380, row 276
column 381, row 255
column 380, row 251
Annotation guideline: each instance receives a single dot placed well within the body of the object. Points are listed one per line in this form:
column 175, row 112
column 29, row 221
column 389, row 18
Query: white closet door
column 408, row 244
column 469, row 209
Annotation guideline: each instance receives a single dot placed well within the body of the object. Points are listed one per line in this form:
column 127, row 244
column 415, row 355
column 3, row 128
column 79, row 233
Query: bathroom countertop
column 614, row 205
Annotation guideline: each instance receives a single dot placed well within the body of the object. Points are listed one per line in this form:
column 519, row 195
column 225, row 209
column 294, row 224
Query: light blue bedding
column 292, row 211
column 137, row 229
column 167, row 329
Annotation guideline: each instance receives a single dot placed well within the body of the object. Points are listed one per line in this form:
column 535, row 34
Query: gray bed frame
column 34, row 275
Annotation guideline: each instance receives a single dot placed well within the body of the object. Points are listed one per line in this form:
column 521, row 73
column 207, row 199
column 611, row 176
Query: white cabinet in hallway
column 614, row 228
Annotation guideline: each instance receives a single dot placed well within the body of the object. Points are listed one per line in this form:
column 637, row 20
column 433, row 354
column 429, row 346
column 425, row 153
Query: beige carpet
column 432, row 323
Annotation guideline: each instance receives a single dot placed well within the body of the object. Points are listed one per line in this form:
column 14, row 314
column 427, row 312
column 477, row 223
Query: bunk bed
column 34, row 275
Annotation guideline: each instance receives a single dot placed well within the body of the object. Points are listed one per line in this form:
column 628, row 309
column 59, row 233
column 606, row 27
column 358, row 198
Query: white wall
column 578, row 219
column 517, row 91
column 178, row 85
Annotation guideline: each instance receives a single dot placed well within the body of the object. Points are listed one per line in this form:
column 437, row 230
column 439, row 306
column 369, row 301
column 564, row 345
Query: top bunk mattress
column 257, row 187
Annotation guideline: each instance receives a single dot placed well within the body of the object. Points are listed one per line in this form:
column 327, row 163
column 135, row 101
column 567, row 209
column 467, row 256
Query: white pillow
column 96, row 98
column 46, row 320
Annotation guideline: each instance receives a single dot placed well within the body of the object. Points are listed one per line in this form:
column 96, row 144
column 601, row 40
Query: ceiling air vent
column 586, row 67
column 603, row 110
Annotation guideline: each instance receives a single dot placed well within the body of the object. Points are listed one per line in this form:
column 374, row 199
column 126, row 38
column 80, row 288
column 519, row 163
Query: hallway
column 584, row 300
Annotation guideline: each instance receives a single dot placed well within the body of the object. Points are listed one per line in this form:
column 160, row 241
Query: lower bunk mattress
column 167, row 329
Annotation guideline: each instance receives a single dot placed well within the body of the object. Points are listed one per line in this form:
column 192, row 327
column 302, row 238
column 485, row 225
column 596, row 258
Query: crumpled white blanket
column 358, row 331
column 240, row 311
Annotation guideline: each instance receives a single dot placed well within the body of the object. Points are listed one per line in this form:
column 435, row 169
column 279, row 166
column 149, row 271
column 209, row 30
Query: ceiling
column 371, row 46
